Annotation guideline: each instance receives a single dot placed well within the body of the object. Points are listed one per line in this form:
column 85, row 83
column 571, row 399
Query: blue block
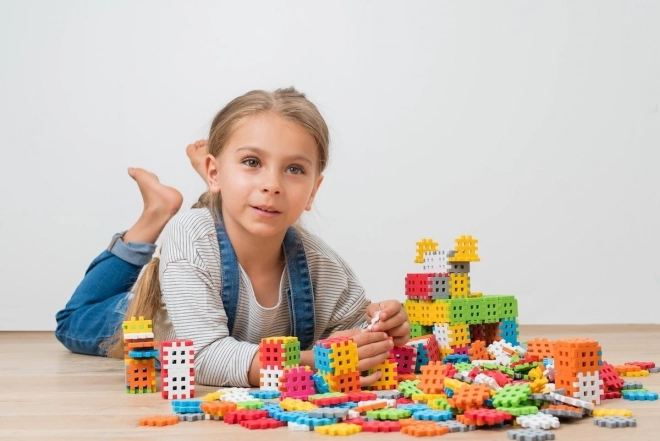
column 187, row 406
column 142, row 353
column 414, row 408
column 265, row 394
column 433, row 415
column 320, row 384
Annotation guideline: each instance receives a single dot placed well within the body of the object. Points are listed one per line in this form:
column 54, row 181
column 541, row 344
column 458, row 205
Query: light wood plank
column 50, row 393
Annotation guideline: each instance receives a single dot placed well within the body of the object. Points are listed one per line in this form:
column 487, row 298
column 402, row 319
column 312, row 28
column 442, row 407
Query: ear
column 212, row 168
column 311, row 196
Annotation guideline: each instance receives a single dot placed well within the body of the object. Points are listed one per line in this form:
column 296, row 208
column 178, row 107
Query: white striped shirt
column 190, row 281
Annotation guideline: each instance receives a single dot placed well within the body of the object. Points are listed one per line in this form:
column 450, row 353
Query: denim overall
column 98, row 305
column 300, row 294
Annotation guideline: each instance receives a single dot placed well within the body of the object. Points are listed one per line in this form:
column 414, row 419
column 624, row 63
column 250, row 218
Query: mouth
column 266, row 209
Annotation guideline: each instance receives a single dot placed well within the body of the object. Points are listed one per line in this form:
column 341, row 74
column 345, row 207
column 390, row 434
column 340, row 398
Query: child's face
column 267, row 174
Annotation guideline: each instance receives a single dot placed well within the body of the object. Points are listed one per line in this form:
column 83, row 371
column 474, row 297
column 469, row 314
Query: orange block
column 432, row 380
column 159, row 420
column 577, row 355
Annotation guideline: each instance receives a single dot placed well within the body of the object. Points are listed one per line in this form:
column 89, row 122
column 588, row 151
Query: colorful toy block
column 177, row 373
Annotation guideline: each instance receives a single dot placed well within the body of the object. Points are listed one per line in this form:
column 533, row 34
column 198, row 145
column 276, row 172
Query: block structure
column 280, row 368
column 441, row 305
column 578, row 363
column 177, row 374
column 140, row 355
column 336, row 360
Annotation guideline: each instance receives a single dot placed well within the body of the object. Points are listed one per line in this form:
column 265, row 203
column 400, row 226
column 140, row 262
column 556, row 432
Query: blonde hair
column 287, row 103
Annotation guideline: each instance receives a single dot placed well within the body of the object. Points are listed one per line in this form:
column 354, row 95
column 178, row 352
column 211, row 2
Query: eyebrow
column 259, row 151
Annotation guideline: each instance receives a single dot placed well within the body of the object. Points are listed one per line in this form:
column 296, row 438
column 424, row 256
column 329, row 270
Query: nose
column 271, row 183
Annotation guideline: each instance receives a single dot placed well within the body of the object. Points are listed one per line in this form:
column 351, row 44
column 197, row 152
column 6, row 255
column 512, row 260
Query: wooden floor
column 48, row 393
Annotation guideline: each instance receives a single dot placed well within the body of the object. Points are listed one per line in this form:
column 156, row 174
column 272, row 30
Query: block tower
column 281, row 370
column 177, row 373
column 337, row 361
column 441, row 305
column 140, row 356
column 578, row 363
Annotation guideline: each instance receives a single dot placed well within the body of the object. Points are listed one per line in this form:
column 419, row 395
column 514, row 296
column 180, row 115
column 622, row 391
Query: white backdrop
column 533, row 126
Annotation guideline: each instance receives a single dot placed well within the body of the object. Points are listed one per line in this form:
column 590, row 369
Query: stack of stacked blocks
column 140, row 355
column 462, row 370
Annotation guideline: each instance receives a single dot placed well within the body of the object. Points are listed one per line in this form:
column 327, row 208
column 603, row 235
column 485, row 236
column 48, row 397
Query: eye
column 251, row 162
column 295, row 170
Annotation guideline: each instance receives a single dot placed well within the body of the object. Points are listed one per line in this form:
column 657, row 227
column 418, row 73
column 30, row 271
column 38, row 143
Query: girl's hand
column 392, row 319
column 373, row 349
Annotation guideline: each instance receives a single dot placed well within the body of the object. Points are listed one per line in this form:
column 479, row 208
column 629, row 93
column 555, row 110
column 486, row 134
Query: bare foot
column 196, row 153
column 160, row 204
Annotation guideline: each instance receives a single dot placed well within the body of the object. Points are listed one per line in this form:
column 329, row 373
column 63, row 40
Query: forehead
column 273, row 134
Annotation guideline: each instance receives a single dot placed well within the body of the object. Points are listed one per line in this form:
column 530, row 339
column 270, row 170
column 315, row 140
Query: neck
column 255, row 253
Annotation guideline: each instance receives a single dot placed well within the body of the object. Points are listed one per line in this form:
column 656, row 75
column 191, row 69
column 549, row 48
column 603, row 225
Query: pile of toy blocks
column 140, row 355
column 463, row 370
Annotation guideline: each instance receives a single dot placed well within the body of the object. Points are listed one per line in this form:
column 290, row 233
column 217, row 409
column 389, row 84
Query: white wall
column 534, row 126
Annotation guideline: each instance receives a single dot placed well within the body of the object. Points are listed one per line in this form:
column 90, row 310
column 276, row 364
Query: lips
column 266, row 208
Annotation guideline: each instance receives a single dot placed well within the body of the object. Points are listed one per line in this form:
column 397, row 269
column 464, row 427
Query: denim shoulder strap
column 300, row 294
column 230, row 277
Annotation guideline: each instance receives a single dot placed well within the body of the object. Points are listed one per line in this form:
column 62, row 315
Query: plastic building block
column 530, row 435
column 639, row 395
column 265, row 394
column 563, row 412
column 339, row 429
column 187, row 406
column 138, row 328
column 262, row 423
column 159, row 420
column 433, row 415
column 297, row 427
column 425, row 430
column 320, row 384
column 236, row 416
column 456, row 426
column 631, row 385
column 381, row 426
column 217, row 408
column 615, row 421
column 328, row 412
column 603, row 412
column 538, row 421
column 190, row 417
column 297, row 382
column 389, row 414
column 177, row 377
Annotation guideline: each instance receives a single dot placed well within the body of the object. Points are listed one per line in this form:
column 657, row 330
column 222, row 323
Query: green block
column 491, row 309
column 508, row 307
column 518, row 411
column 292, row 353
column 417, row 330
column 475, row 310
column 458, row 311
column 251, row 405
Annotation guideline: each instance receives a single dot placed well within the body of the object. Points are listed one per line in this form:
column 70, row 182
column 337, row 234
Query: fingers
column 392, row 316
column 368, row 380
column 373, row 349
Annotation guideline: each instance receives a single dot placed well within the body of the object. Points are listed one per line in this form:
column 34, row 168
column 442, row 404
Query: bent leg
column 98, row 304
